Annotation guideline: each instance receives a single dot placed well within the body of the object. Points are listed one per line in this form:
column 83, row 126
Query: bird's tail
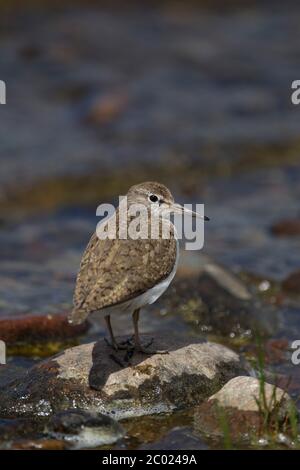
column 77, row 316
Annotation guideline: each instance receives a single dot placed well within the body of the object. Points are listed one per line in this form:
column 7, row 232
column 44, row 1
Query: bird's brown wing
column 114, row 271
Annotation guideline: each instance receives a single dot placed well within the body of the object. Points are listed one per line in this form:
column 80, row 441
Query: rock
column 89, row 377
column 38, row 327
column 241, row 408
column 287, row 228
column 84, row 430
column 292, row 283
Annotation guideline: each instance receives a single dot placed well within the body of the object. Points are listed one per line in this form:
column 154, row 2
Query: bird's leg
column 114, row 343
column 137, row 342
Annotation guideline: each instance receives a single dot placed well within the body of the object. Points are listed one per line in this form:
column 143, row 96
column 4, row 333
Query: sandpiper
column 123, row 275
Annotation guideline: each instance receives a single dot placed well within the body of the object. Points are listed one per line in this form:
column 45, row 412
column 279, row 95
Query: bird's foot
column 145, row 349
column 123, row 345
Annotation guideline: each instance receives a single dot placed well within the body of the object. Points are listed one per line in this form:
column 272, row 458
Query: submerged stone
column 81, row 429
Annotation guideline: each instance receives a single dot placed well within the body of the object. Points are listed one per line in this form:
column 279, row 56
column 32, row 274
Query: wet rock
column 292, row 283
column 90, row 377
column 287, row 228
column 81, row 429
column 243, row 409
column 38, row 327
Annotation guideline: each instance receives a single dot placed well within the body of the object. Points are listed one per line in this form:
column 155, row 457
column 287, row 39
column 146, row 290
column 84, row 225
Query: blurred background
column 196, row 95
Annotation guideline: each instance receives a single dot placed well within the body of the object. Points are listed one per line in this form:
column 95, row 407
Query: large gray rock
column 89, row 377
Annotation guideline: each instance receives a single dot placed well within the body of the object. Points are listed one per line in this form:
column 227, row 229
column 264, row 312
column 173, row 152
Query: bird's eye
column 153, row 198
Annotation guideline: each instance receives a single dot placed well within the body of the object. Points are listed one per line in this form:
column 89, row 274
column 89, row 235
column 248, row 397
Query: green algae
column 40, row 349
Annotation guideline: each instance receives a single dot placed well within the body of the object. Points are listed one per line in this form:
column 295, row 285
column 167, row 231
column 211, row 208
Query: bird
column 122, row 275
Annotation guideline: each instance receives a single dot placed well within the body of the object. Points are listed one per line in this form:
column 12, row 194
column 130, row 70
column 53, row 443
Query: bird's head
column 158, row 198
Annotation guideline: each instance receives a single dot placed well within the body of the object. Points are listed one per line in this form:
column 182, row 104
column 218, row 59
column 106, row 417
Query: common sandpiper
column 124, row 274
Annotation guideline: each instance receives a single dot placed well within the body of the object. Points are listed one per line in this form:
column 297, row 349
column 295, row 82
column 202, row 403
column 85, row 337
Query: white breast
column 153, row 294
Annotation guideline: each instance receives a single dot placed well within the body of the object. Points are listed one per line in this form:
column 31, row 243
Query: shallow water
column 201, row 101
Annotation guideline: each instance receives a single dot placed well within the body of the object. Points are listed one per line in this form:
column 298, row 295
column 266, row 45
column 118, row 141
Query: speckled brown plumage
column 115, row 271
column 126, row 271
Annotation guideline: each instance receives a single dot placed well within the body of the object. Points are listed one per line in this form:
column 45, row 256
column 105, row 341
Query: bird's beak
column 178, row 209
